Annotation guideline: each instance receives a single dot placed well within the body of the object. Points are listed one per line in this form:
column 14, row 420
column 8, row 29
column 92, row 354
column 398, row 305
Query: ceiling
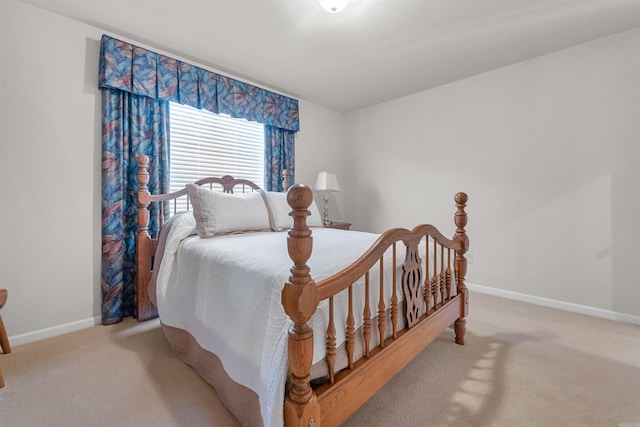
column 374, row 51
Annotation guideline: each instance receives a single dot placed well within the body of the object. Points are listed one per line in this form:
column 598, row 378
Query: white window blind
column 206, row 144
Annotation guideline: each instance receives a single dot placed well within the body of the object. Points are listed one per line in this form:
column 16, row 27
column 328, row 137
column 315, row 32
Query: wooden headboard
column 146, row 245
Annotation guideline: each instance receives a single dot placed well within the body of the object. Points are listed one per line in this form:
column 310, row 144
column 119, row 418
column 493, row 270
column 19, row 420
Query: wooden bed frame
column 431, row 304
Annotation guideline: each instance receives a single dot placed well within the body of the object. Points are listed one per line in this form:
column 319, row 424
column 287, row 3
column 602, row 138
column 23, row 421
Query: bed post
column 300, row 300
column 145, row 310
column 460, row 325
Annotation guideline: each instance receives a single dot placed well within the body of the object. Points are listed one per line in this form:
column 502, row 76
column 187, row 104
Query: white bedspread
column 231, row 303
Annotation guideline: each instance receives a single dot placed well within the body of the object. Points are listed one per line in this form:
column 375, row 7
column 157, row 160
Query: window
column 206, row 144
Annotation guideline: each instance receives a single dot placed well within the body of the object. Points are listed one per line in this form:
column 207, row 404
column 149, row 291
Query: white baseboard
column 546, row 302
column 562, row 305
column 54, row 331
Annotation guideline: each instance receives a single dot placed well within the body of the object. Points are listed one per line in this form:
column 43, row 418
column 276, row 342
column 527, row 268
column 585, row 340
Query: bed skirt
column 240, row 400
column 243, row 402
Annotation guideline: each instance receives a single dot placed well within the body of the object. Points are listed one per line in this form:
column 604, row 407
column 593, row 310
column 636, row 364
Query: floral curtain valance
column 140, row 71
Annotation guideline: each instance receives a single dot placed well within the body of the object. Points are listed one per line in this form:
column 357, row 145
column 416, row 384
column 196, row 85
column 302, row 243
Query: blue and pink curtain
column 137, row 85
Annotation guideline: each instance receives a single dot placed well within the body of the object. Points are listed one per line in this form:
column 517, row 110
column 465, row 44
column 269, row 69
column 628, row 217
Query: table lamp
column 327, row 182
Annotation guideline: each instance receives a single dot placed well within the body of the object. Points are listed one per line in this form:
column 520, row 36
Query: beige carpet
column 523, row 365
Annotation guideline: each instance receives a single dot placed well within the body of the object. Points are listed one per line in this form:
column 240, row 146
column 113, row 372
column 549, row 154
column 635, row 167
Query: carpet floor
column 522, row 365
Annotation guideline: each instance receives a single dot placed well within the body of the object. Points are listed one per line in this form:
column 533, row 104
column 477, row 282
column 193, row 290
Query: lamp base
column 325, row 213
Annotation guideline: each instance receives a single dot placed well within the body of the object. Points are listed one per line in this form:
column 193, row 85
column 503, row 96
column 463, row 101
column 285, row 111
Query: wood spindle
column 434, row 278
column 448, row 274
column 427, row 278
column 442, row 276
column 351, row 330
column 381, row 305
column 286, row 176
column 331, row 343
column 455, row 272
column 394, row 295
column 366, row 317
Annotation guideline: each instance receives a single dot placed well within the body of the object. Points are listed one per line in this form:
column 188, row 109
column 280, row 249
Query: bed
column 292, row 323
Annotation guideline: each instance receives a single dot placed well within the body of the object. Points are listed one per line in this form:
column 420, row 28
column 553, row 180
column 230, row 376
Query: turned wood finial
column 300, row 300
column 144, row 197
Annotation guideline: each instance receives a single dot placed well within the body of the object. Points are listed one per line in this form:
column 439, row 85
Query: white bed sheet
column 226, row 291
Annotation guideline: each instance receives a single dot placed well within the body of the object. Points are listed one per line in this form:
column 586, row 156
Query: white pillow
column 279, row 212
column 221, row 213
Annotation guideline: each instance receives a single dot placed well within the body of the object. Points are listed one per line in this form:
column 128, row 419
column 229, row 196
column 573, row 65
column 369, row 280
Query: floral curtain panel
column 279, row 154
column 132, row 125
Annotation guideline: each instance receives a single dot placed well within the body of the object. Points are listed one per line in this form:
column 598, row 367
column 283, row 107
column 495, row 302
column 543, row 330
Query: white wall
column 548, row 151
column 50, row 174
column 50, row 169
column 320, row 146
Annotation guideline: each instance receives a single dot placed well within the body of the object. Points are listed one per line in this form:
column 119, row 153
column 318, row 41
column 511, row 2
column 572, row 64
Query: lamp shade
column 334, row 6
column 327, row 182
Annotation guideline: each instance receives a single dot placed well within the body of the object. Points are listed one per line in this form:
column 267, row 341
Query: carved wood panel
column 411, row 284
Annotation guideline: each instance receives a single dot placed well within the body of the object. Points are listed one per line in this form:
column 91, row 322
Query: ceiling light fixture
column 334, row 6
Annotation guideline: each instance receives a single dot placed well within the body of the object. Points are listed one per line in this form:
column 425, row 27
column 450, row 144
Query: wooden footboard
column 433, row 297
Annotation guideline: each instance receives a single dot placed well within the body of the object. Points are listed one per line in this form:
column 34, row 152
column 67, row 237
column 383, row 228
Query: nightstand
column 339, row 225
